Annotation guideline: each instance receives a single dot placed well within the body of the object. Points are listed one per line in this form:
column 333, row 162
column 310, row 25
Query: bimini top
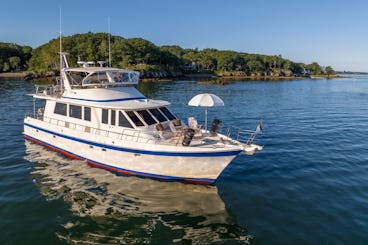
column 84, row 77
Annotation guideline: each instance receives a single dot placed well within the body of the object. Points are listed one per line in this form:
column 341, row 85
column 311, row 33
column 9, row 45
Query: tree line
column 144, row 56
column 14, row 57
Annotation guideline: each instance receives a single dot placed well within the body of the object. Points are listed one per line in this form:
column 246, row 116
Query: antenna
column 61, row 49
column 109, row 41
column 61, row 46
column 63, row 61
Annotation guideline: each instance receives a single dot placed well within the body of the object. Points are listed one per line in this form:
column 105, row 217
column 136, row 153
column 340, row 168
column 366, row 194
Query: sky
column 329, row 32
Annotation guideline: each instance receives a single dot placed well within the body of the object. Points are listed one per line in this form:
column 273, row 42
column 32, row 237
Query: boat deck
column 201, row 139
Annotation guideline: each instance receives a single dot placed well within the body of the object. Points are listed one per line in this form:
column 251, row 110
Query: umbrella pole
column 205, row 119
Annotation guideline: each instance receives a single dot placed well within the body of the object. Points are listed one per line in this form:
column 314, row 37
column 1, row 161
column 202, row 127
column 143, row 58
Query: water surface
column 308, row 186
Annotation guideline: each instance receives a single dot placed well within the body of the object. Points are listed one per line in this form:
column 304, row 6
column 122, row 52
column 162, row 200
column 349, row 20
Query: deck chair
column 173, row 129
column 193, row 124
column 162, row 133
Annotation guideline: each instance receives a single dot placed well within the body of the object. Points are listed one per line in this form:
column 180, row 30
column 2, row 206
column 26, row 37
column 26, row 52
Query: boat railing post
column 228, row 132
column 179, row 137
column 138, row 136
column 34, row 108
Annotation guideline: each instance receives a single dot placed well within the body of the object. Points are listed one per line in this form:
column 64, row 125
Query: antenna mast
column 60, row 43
column 109, row 42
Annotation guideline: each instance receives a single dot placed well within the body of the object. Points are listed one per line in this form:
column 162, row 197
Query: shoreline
column 21, row 74
column 27, row 74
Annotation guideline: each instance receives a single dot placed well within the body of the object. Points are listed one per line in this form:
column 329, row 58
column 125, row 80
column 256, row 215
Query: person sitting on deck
column 214, row 127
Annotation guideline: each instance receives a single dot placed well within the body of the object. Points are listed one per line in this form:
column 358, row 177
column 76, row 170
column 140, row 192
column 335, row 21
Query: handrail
column 242, row 135
column 134, row 135
column 49, row 89
column 231, row 132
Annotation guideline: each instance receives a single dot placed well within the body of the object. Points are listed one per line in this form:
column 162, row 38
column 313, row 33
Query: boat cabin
column 113, row 117
column 150, row 117
column 105, row 99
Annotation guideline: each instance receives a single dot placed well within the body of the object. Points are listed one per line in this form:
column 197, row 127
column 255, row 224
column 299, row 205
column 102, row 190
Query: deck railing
column 49, row 89
column 230, row 132
column 125, row 134
column 242, row 135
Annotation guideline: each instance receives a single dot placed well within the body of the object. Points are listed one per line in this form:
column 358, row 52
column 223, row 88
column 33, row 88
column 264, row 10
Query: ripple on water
column 112, row 206
column 308, row 185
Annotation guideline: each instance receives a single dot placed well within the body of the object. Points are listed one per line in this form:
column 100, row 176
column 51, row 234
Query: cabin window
column 75, row 111
column 123, row 121
column 75, row 78
column 167, row 113
column 113, row 117
column 87, row 113
column 147, row 117
column 60, row 108
column 156, row 113
column 96, row 78
column 134, row 118
column 105, row 116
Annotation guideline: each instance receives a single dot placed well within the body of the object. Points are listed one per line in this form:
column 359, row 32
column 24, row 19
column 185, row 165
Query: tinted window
column 134, row 118
column 87, row 113
column 156, row 113
column 105, row 116
column 113, row 116
column 75, row 111
column 123, row 122
column 60, row 109
column 146, row 117
column 167, row 113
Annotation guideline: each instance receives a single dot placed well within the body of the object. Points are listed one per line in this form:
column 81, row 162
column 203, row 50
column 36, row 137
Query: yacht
column 96, row 115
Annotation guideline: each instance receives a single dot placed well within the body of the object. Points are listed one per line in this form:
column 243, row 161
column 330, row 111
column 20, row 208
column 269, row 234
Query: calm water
column 308, row 186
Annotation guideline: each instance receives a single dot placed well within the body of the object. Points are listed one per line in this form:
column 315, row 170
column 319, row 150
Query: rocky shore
column 13, row 74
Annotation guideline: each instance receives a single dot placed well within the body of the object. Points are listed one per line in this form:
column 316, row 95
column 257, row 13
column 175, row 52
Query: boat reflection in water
column 107, row 208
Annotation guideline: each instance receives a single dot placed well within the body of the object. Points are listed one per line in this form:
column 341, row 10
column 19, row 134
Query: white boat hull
column 188, row 164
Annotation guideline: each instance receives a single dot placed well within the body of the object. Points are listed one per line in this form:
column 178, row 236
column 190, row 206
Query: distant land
column 152, row 61
column 351, row 72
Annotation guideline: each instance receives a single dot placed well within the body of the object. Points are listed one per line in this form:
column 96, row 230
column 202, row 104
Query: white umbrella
column 206, row 100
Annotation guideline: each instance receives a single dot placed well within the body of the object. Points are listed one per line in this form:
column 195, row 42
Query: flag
column 259, row 127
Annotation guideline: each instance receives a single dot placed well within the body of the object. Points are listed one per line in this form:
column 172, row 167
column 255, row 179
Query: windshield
column 111, row 77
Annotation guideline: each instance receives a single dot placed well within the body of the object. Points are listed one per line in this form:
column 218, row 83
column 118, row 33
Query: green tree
column 314, row 69
column 329, row 70
column 15, row 56
column 174, row 49
column 297, row 68
column 207, row 62
column 6, row 67
column 14, row 62
column 225, row 61
column 138, row 53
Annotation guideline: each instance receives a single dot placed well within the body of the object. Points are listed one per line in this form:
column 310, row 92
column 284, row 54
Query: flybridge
column 92, row 76
column 99, row 76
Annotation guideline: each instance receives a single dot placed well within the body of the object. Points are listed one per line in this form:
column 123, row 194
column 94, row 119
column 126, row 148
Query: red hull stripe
column 200, row 181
